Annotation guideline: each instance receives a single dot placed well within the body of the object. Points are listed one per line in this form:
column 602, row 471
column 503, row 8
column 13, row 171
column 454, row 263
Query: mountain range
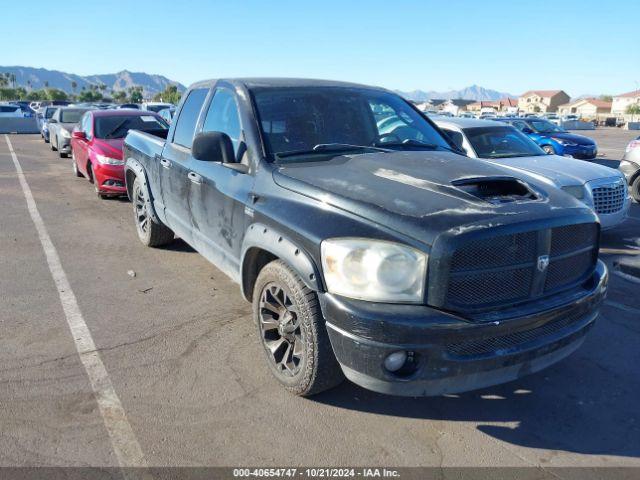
column 474, row 92
column 38, row 78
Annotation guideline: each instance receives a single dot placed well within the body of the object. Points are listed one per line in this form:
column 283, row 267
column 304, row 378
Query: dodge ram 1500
column 380, row 254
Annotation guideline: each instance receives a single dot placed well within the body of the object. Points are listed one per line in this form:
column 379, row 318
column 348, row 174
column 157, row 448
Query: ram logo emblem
column 543, row 262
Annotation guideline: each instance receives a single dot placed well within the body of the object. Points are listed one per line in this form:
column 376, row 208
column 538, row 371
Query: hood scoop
column 496, row 190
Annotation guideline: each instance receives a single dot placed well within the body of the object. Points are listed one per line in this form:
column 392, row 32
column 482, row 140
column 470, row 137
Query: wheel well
column 254, row 261
column 130, row 177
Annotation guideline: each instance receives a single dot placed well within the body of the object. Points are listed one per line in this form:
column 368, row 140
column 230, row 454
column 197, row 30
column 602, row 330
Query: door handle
column 195, row 178
column 165, row 163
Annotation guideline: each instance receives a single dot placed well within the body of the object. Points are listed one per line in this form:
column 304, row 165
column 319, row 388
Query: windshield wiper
column 408, row 144
column 322, row 148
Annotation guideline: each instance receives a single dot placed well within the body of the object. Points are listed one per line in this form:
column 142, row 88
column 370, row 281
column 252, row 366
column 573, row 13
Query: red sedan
column 96, row 146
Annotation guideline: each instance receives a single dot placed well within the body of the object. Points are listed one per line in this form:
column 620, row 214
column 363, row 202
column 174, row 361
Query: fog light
column 395, row 361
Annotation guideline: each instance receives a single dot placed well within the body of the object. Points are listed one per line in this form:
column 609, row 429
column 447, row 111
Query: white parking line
column 123, row 440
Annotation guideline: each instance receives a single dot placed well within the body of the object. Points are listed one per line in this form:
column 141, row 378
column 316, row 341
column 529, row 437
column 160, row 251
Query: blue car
column 555, row 140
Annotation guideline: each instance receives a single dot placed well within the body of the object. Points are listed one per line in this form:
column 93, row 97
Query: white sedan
column 601, row 188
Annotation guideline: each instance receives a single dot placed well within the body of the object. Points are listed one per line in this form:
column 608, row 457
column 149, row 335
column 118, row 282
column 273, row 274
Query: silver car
column 630, row 167
column 60, row 127
column 601, row 188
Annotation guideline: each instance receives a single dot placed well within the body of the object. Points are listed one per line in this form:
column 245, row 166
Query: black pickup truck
column 369, row 247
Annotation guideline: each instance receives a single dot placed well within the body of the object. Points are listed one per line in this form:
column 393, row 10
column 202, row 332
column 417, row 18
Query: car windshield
column 542, row 126
column 501, row 142
column 307, row 122
column 156, row 108
column 49, row 112
column 117, row 126
column 71, row 116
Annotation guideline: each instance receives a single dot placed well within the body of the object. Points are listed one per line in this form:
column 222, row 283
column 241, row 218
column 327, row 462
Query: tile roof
column 635, row 93
column 542, row 93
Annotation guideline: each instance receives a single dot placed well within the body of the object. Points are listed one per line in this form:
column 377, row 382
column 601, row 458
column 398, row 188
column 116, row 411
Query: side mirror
column 213, row 147
column 53, row 120
column 79, row 135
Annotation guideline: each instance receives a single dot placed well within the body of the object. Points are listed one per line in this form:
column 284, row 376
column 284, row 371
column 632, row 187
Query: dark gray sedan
column 60, row 127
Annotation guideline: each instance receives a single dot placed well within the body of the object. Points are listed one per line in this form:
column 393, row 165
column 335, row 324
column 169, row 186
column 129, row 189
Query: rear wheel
column 293, row 333
column 635, row 189
column 76, row 172
column 150, row 232
column 62, row 155
column 548, row 149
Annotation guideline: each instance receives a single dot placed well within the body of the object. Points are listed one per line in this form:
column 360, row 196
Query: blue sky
column 582, row 46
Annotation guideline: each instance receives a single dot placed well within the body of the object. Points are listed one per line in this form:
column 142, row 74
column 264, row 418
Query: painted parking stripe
column 123, row 440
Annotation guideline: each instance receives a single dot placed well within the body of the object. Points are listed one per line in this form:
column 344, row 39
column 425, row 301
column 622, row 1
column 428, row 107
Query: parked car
column 10, row 111
column 44, row 115
column 330, row 227
column 96, row 146
column 61, row 124
column 167, row 114
column 601, row 188
column 130, row 106
column 155, row 106
column 24, row 107
column 555, row 140
column 630, row 167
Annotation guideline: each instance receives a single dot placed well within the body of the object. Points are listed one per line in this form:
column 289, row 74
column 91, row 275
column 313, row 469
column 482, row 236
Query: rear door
column 218, row 194
column 175, row 165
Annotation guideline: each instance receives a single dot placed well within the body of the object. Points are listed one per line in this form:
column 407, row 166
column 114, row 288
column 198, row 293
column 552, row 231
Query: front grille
column 507, row 269
column 609, row 198
column 492, row 345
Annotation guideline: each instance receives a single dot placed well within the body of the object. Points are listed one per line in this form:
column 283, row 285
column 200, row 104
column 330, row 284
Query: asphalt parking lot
column 178, row 343
column 611, row 143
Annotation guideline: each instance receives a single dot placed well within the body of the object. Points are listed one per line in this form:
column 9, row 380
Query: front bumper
column 581, row 152
column 451, row 354
column 109, row 178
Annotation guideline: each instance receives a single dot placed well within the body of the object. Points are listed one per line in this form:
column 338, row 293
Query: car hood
column 412, row 192
column 570, row 137
column 562, row 171
column 109, row 147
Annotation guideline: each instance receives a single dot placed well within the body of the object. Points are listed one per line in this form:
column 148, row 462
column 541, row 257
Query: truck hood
column 412, row 192
column 562, row 171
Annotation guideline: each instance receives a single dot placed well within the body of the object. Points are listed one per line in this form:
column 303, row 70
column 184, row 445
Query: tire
column 46, row 140
column 76, row 172
column 54, row 148
column 549, row 150
column 635, row 189
column 288, row 318
column 150, row 232
column 62, row 155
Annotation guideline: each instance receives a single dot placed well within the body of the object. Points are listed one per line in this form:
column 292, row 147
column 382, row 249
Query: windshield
column 156, row 108
column 48, row 113
column 117, row 126
column 501, row 142
column 296, row 120
column 71, row 116
column 542, row 126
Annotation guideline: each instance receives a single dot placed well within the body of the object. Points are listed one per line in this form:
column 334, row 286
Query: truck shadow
column 586, row 404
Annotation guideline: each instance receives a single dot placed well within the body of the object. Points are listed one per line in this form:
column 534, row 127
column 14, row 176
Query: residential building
column 504, row 105
column 622, row 101
column 542, row 101
column 586, row 108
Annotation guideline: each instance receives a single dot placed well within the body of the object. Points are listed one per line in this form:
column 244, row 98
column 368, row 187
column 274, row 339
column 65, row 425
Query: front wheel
column 150, row 232
column 293, row 333
column 548, row 149
column 53, row 147
column 635, row 189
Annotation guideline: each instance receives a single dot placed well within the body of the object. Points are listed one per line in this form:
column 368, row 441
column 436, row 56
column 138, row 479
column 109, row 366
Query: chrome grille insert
column 609, row 198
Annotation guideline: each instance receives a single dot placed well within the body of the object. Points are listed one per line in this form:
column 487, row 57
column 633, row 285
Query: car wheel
column 76, row 172
column 62, row 155
column 293, row 333
column 635, row 189
column 548, row 149
column 46, row 140
column 53, row 147
column 150, row 232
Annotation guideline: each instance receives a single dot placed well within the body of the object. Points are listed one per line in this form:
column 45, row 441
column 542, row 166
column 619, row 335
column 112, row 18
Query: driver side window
column 223, row 116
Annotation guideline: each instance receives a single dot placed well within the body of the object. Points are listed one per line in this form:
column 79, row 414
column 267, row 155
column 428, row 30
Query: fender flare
column 134, row 166
column 262, row 237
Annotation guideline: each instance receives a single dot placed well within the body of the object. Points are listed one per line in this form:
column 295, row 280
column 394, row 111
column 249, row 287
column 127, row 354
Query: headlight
column 65, row 133
column 374, row 270
column 108, row 160
column 576, row 191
